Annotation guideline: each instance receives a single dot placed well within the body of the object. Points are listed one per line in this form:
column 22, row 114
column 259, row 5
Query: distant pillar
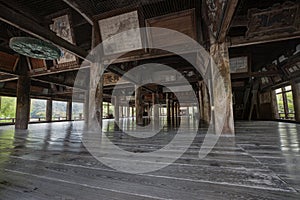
column 275, row 114
column 116, row 109
column 132, row 112
column 86, row 107
column 69, row 110
column 49, row 110
column 296, row 97
column 173, row 113
column 168, row 103
column 176, row 114
column 188, row 116
column 139, row 107
column 107, row 111
column 121, row 111
column 23, row 96
column 155, row 108
column 128, row 112
column 204, row 103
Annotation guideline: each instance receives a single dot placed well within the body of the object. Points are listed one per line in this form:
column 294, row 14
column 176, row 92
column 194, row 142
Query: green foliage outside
column 111, row 109
column 7, row 107
column 38, row 109
column 290, row 105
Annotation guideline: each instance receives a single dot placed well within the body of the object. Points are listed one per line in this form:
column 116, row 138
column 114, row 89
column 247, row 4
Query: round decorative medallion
column 35, row 48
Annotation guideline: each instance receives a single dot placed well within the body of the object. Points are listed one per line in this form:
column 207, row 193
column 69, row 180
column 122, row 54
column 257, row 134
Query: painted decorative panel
column 112, row 26
column 278, row 19
column 62, row 27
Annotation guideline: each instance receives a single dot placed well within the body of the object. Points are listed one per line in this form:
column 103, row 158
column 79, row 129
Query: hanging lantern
column 35, row 48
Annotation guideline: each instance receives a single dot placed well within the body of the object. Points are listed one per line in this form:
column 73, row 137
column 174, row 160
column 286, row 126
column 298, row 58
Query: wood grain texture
column 50, row 162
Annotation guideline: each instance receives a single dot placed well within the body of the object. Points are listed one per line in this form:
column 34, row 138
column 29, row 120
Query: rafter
column 227, row 19
column 73, row 4
column 31, row 27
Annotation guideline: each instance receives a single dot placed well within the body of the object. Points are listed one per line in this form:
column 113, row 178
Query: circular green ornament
column 35, row 48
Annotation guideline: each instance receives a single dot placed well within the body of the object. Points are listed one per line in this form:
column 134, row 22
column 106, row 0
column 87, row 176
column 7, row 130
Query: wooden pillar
column 132, row 112
column 188, row 116
column 296, row 98
column 86, row 107
column 155, row 108
column 23, row 96
column 173, row 113
column 219, row 52
column 120, row 111
column 168, row 104
column 96, row 82
column 275, row 114
column 49, row 110
column 128, row 112
column 204, row 103
column 139, row 106
column 107, row 107
column 179, row 116
column 116, row 109
column 69, row 111
column 176, row 113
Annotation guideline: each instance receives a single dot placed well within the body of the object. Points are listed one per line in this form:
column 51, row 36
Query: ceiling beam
column 73, row 4
column 25, row 10
column 227, row 19
column 254, row 74
column 6, row 78
column 243, row 41
column 31, row 27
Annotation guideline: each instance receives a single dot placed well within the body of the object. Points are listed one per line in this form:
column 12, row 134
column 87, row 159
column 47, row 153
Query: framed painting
column 111, row 24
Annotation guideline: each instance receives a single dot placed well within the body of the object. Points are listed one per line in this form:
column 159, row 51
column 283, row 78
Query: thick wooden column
column 219, row 52
column 23, row 96
column 96, row 81
column 296, row 97
column 49, row 110
column 69, row 111
column 139, row 106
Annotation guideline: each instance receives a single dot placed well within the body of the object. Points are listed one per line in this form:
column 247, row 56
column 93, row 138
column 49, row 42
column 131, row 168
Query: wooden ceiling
column 38, row 13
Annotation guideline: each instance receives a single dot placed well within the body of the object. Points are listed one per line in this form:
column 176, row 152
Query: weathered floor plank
column 50, row 162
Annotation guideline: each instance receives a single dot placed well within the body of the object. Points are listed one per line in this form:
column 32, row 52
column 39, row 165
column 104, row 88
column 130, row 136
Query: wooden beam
column 227, row 19
column 31, row 27
column 59, row 69
column 73, row 4
column 243, row 41
column 25, row 10
column 254, row 74
column 6, row 78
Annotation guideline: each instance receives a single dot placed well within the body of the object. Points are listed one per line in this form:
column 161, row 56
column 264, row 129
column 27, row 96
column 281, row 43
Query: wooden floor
column 50, row 162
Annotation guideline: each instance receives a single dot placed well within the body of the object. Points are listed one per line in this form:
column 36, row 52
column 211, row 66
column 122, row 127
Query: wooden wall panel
column 8, row 62
column 183, row 22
